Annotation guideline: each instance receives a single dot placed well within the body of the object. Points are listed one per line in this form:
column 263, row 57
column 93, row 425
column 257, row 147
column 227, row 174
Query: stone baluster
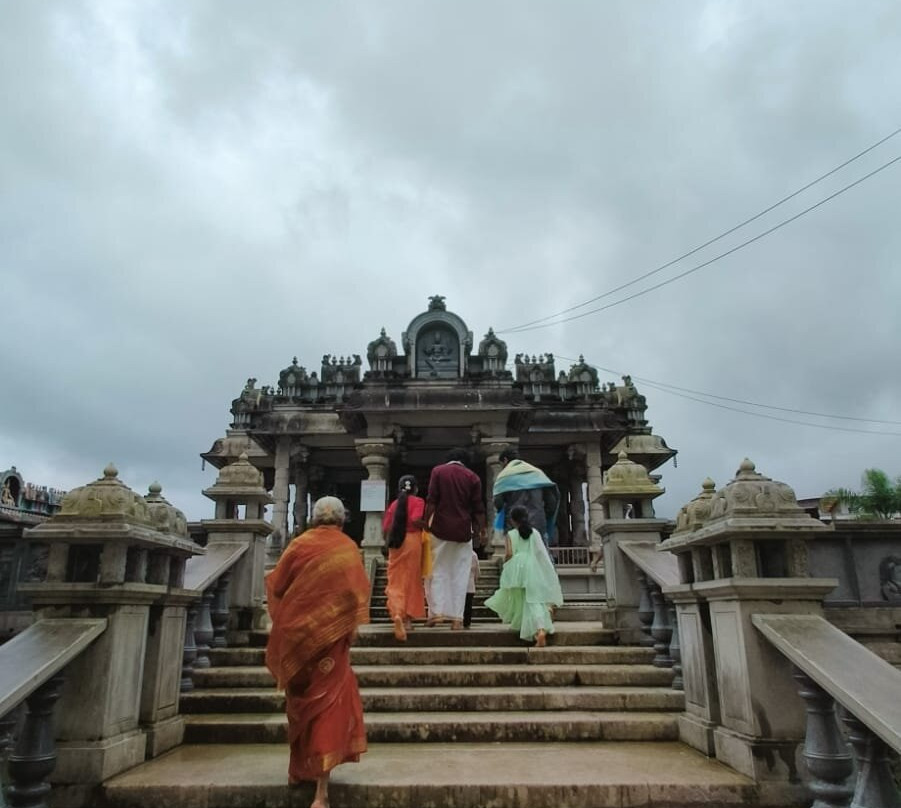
column 219, row 612
column 827, row 757
column 203, row 630
column 190, row 652
column 661, row 630
column 8, row 725
column 35, row 755
column 875, row 787
column 675, row 647
column 645, row 611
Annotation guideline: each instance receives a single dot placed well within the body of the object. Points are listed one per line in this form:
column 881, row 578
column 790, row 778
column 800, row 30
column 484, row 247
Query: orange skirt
column 325, row 715
column 406, row 596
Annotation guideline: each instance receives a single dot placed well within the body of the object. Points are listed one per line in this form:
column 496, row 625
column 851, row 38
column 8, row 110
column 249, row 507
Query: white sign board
column 372, row 495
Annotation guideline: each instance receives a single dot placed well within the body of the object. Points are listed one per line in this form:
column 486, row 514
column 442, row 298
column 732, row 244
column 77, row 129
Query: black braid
column 520, row 517
column 406, row 485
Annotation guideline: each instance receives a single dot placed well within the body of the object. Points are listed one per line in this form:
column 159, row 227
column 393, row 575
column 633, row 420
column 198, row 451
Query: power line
column 707, row 263
column 683, row 391
column 774, row 417
column 720, row 236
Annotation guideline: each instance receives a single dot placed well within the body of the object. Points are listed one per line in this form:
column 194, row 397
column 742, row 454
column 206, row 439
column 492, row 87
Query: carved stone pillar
column 280, row 492
column 594, row 476
column 301, row 489
column 375, row 454
column 491, row 452
column 576, row 455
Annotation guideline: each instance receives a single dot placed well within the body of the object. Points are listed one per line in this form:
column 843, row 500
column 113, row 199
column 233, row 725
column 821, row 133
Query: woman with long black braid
column 405, row 593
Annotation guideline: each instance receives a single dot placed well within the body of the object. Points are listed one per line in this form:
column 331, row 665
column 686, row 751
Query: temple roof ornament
column 493, row 346
column 164, row 516
column 107, row 498
column 436, row 303
column 382, row 347
column 694, row 514
column 752, row 495
column 239, row 480
column 583, row 374
column 625, row 478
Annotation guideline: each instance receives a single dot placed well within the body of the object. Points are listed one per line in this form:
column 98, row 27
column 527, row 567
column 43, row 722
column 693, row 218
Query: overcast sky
column 192, row 193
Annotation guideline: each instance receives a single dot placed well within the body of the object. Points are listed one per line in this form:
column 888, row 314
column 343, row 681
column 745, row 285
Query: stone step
column 549, row 675
column 495, row 635
column 262, row 700
column 480, row 726
column 401, row 654
column 524, row 775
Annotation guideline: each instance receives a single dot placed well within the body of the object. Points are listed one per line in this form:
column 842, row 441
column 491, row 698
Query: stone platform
column 398, row 775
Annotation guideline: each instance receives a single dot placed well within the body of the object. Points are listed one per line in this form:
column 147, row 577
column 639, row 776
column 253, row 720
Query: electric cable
column 540, row 322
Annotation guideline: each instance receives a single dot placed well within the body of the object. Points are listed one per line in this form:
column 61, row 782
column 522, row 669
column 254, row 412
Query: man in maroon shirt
column 455, row 510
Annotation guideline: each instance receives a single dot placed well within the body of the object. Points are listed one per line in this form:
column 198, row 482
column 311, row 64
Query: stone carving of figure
column 436, row 303
column 6, row 496
column 437, row 352
column 890, row 578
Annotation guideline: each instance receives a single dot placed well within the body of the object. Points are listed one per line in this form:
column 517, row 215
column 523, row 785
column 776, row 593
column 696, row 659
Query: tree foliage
column 878, row 498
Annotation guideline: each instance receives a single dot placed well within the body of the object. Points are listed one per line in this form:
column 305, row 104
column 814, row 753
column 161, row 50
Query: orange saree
column 404, row 591
column 317, row 596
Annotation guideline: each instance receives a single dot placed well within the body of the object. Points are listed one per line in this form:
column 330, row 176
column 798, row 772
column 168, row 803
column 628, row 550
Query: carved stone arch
column 437, row 345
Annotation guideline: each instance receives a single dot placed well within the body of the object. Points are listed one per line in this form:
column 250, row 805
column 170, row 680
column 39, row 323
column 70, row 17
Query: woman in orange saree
column 317, row 596
column 404, row 591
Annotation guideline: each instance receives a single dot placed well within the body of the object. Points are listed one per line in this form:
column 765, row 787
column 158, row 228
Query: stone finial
column 752, row 495
column 627, row 478
column 165, row 517
column 106, row 498
column 240, row 480
column 695, row 513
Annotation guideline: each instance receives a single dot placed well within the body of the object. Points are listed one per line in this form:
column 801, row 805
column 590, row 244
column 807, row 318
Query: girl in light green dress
column 529, row 584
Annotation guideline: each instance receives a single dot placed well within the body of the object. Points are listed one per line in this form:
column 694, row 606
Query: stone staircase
column 489, row 578
column 464, row 719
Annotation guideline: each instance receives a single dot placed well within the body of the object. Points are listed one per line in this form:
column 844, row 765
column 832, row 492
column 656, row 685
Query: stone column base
column 163, row 735
column 762, row 759
column 95, row 761
column 697, row 732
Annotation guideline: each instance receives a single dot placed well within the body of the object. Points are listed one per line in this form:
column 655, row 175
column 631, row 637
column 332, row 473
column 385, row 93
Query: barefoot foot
column 400, row 633
column 541, row 638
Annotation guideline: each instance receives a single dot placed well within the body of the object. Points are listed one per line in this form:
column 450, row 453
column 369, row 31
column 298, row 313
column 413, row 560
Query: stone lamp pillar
column 375, row 455
column 114, row 555
column 240, row 484
column 750, row 556
column 627, row 496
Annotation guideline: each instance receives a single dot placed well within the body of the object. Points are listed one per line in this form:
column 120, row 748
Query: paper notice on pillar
column 373, row 494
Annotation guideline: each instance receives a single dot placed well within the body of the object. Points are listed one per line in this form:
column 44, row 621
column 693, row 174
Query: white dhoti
column 446, row 590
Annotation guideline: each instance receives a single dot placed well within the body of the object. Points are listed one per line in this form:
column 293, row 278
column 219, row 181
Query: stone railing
column 207, row 580
column 569, row 556
column 831, row 668
column 656, row 612
column 32, row 667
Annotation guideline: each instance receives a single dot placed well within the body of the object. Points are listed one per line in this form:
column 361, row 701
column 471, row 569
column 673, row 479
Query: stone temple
column 326, row 432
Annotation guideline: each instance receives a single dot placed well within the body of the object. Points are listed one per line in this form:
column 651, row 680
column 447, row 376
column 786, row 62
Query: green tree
column 879, row 497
